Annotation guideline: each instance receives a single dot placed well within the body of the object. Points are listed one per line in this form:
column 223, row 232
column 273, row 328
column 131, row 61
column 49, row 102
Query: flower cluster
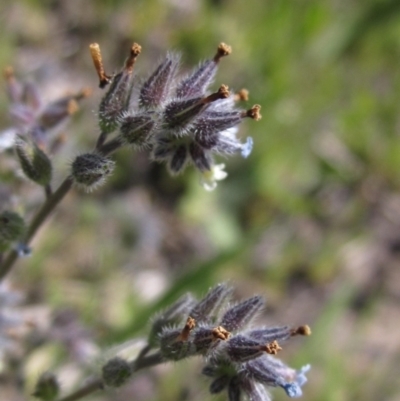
column 35, row 119
column 179, row 120
column 239, row 357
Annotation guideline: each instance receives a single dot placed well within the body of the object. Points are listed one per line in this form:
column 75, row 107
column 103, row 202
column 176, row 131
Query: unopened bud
column 116, row 100
column 136, row 129
column 12, row 228
column 178, row 113
column 91, row 170
column 211, row 303
column 173, row 347
column 196, row 83
column 173, row 315
column 157, row 87
column 34, row 162
column 241, row 348
column 47, row 387
column 240, row 315
column 116, row 372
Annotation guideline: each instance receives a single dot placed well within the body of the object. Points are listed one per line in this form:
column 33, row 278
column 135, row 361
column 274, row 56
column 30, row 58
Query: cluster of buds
column 37, row 126
column 239, row 357
column 179, row 120
column 35, row 119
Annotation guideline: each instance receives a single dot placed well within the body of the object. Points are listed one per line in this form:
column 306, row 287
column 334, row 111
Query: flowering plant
column 180, row 122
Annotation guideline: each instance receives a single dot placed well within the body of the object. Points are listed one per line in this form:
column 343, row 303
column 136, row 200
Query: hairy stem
column 52, row 200
column 97, row 383
column 110, row 146
column 43, row 213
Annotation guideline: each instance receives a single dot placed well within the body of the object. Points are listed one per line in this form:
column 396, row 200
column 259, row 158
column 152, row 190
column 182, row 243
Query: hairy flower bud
column 171, row 316
column 34, row 162
column 270, row 334
column 198, row 81
column 210, row 304
column 116, row 372
column 91, row 170
column 173, row 347
column 241, row 348
column 47, row 387
column 156, row 89
column 116, row 100
column 178, row 113
column 203, row 339
column 12, row 228
column 238, row 316
column 137, row 129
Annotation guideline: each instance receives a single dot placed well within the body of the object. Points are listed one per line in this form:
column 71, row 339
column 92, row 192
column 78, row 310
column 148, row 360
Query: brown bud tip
column 222, row 51
column 95, row 52
column 272, row 348
column 254, row 112
column 130, row 61
column 8, row 73
column 242, row 96
column 301, row 331
column 222, row 93
column 219, row 333
column 189, row 326
column 84, row 93
column 136, row 49
column 72, row 107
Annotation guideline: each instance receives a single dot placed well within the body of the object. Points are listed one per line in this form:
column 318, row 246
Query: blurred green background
column 311, row 219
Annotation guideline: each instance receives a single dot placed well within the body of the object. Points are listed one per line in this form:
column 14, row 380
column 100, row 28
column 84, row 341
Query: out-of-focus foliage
column 310, row 219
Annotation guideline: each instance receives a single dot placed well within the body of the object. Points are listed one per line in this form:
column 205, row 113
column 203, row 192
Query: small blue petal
column 247, row 147
column 23, row 250
column 293, row 390
column 301, row 378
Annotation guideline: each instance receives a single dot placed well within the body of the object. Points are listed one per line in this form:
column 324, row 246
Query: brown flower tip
column 95, row 52
column 219, row 333
column 72, row 107
column 254, row 112
column 136, row 49
column 301, row 331
column 83, row 94
column 272, row 348
column 222, row 93
column 222, row 51
column 189, row 326
column 8, row 73
column 242, row 96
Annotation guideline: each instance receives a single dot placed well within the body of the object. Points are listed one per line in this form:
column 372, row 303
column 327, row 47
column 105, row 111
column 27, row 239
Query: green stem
column 111, row 146
column 42, row 214
column 97, row 383
column 52, row 200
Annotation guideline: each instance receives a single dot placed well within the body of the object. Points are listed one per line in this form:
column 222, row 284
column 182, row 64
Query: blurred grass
column 310, row 219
